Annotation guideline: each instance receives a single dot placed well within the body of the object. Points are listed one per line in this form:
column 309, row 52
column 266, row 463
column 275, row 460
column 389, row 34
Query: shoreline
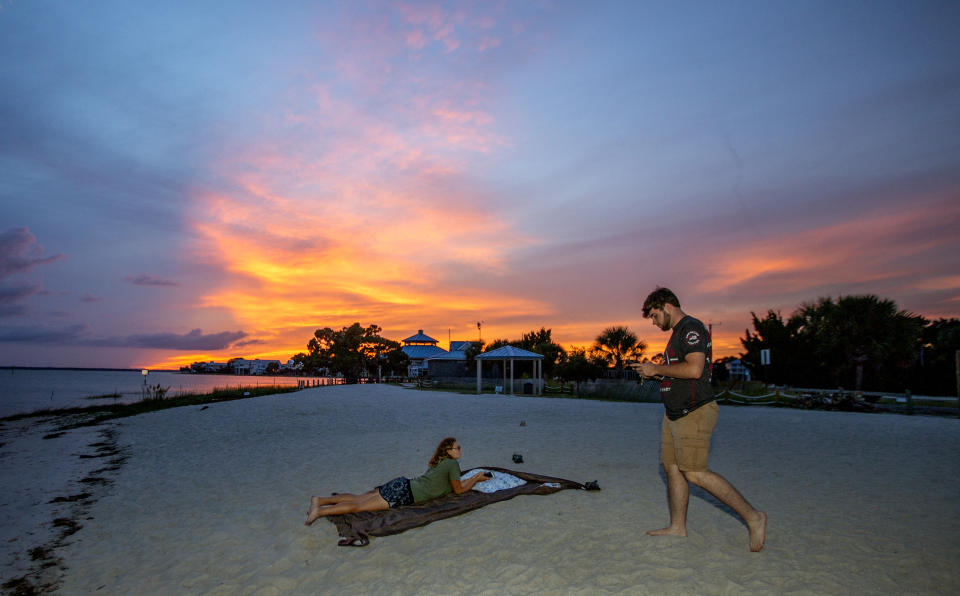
column 70, row 470
column 211, row 500
column 31, row 563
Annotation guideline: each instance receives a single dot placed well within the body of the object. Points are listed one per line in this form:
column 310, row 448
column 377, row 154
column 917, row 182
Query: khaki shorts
column 686, row 442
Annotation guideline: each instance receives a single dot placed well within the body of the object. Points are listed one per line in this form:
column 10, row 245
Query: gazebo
column 512, row 354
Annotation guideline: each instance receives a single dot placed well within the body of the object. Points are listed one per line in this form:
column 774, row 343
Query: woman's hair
column 441, row 453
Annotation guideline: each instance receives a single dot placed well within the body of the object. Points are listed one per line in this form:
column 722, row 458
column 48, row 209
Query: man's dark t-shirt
column 682, row 396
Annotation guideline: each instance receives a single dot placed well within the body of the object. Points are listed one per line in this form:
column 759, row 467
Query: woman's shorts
column 397, row 492
column 686, row 441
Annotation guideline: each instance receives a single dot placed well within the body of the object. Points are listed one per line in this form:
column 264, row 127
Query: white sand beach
column 212, row 501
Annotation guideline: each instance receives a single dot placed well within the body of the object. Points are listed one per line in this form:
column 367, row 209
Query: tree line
column 356, row 352
column 860, row 342
column 353, row 352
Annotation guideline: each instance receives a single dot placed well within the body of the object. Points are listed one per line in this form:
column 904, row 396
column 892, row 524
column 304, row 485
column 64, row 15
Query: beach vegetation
column 115, row 395
column 536, row 341
column 935, row 372
column 155, row 392
column 863, row 342
column 617, row 344
column 473, row 350
column 354, row 352
column 579, row 365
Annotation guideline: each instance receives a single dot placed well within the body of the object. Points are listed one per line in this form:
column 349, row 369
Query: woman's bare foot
column 758, row 532
column 671, row 531
column 315, row 511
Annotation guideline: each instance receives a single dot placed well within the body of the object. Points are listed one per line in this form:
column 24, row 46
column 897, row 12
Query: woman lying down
column 441, row 478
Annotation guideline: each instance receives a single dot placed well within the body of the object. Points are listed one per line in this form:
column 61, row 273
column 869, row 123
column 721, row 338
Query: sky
column 194, row 181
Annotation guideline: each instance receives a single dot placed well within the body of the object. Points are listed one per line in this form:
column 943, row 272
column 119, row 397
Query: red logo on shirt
column 693, row 338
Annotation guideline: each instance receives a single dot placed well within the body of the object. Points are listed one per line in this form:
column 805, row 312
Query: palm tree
column 620, row 344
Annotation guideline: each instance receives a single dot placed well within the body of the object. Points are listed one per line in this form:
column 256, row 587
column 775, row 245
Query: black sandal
column 360, row 540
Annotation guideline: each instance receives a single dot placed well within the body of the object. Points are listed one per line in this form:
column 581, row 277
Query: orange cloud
column 359, row 229
column 830, row 254
column 946, row 282
column 351, row 205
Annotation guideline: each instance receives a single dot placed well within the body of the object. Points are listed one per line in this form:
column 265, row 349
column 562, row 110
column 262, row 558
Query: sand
column 212, row 501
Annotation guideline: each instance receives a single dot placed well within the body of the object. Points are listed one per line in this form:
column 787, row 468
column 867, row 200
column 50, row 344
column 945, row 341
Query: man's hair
column 657, row 299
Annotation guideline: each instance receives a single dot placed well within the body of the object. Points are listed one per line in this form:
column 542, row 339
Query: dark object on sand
column 356, row 528
column 360, row 540
column 592, row 485
column 517, row 458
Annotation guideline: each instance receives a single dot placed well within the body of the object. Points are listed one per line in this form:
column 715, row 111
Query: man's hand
column 645, row 369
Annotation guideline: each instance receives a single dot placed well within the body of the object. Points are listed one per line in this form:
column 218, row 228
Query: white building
column 242, row 366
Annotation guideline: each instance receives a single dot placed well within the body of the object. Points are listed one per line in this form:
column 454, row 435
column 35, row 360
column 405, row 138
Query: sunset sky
column 185, row 181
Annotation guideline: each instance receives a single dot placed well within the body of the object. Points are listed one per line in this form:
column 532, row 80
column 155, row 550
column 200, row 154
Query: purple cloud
column 43, row 335
column 194, row 340
column 12, row 310
column 19, row 252
column 149, row 280
column 9, row 294
column 78, row 335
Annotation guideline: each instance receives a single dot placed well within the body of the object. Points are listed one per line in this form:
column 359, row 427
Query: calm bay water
column 28, row 390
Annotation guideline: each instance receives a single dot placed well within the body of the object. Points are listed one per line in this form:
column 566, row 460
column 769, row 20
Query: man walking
column 691, row 415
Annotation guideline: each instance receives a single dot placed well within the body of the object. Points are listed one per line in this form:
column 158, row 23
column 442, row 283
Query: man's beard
column 667, row 322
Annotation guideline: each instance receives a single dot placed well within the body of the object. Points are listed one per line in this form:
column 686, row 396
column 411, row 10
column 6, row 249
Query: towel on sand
column 355, row 528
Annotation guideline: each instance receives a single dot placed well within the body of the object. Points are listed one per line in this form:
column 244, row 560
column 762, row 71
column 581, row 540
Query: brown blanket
column 355, row 528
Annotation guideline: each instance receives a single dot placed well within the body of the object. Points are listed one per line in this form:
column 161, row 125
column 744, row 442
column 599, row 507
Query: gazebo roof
column 510, row 353
column 420, row 338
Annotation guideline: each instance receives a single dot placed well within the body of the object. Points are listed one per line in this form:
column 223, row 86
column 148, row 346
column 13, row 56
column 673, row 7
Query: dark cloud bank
column 78, row 335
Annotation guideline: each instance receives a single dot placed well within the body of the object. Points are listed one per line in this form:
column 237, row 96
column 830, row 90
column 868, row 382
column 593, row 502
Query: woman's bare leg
column 333, row 499
column 338, row 504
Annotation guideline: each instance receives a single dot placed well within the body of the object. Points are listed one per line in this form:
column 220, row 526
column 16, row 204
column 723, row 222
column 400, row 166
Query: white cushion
column 500, row 481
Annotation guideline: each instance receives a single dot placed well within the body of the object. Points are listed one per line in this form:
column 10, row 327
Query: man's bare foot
column 671, row 531
column 758, row 532
column 315, row 511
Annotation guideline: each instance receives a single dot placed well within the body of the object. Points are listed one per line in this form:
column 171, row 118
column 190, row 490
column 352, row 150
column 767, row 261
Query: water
column 29, row 390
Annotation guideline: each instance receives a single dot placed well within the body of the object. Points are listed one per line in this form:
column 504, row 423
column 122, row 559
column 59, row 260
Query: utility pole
column 710, row 328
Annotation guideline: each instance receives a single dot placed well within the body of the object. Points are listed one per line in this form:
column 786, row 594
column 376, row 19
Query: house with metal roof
column 450, row 364
column 419, row 348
